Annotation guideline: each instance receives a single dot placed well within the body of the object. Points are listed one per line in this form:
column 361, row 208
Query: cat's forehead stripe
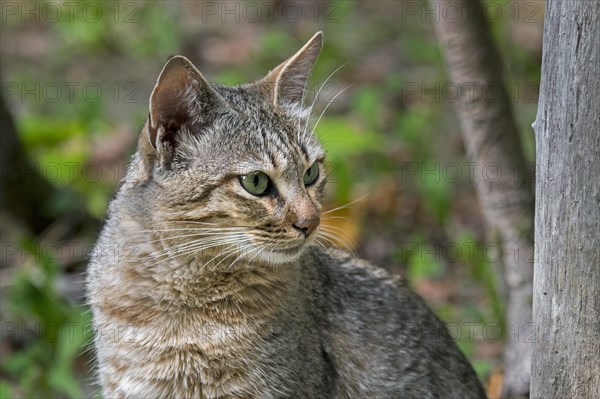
column 265, row 138
column 284, row 150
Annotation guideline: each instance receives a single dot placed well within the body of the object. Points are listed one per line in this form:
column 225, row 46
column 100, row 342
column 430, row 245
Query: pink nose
column 307, row 225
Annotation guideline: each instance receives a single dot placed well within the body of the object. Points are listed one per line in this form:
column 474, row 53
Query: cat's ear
column 181, row 94
column 287, row 82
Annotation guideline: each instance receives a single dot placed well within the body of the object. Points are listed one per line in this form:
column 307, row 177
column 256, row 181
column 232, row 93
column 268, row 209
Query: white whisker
column 229, row 251
column 328, row 104
column 209, row 235
column 330, row 241
column 317, row 240
column 345, row 206
column 337, row 238
column 256, row 249
column 197, row 245
column 335, row 217
column 209, row 229
column 317, row 96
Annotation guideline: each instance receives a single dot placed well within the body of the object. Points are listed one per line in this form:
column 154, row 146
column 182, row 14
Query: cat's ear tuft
column 287, row 82
column 181, row 93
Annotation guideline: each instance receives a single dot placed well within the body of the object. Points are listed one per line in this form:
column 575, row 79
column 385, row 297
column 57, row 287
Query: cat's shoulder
column 334, row 261
column 341, row 276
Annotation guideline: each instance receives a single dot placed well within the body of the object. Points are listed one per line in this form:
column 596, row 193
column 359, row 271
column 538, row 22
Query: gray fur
column 201, row 290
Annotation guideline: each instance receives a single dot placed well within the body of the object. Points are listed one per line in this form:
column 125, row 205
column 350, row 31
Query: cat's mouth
column 278, row 251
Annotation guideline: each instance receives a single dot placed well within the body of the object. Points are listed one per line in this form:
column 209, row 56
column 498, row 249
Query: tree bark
column 506, row 196
column 566, row 301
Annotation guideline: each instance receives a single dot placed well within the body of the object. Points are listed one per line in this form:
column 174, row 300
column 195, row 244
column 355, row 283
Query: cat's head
column 233, row 168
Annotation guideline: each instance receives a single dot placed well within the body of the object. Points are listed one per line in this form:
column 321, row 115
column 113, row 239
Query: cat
column 208, row 280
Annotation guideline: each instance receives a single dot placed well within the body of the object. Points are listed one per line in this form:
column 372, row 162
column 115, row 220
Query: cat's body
column 206, row 281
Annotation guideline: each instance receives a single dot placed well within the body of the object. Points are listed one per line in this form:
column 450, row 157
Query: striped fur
column 200, row 289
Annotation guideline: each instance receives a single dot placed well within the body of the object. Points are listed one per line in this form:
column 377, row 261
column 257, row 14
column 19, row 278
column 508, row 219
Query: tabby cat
column 208, row 280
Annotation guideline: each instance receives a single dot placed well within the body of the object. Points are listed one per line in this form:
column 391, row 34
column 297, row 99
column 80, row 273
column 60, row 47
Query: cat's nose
column 307, row 225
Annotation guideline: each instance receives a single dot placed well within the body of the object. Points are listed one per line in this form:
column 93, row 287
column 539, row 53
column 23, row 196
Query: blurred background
column 76, row 77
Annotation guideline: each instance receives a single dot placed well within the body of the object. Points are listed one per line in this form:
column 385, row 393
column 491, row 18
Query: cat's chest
column 216, row 359
column 186, row 347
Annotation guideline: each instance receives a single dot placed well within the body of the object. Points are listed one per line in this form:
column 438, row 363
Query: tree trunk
column 566, row 301
column 492, row 141
column 23, row 191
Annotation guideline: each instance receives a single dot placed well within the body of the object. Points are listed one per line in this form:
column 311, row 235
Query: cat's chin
column 280, row 255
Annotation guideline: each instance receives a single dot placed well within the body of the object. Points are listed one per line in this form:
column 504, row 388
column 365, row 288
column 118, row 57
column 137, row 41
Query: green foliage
column 5, row 390
column 479, row 258
column 55, row 332
column 231, row 78
column 136, row 28
column 88, row 31
column 483, row 368
column 436, row 193
column 344, row 140
column 414, row 128
column 154, row 33
column 421, row 262
column 367, row 103
column 60, row 149
column 420, row 49
column 275, row 44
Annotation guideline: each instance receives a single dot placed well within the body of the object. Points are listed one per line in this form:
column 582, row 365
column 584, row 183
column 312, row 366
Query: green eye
column 312, row 174
column 256, row 183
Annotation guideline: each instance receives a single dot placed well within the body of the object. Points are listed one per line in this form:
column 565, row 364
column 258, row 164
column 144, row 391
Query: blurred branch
column 491, row 138
column 25, row 195
column 23, row 191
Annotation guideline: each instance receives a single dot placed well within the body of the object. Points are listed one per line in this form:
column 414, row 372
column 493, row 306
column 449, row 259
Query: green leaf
column 367, row 104
column 483, row 368
column 5, row 390
column 423, row 260
column 436, row 191
column 343, row 139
